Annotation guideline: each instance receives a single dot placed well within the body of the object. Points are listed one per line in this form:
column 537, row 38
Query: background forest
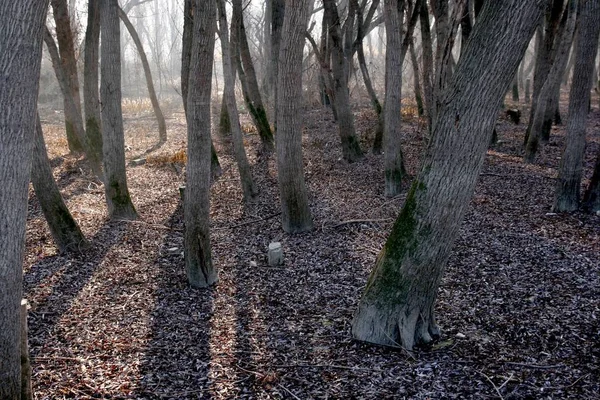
column 429, row 168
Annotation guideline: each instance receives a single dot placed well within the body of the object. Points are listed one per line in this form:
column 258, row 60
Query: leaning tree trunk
column 341, row 97
column 21, row 26
column 248, row 186
column 392, row 114
column 554, row 76
column 200, row 269
column 566, row 196
column 295, row 211
column 397, row 306
column 115, row 185
column 160, row 118
column 91, row 91
column 64, row 229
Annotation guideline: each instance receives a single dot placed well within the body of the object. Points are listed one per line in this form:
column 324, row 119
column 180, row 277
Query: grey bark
column 278, row 13
column 64, row 229
column 545, row 95
column 248, row 186
column 427, row 49
column 160, row 118
column 591, row 198
column 417, row 80
column 397, row 306
column 295, row 211
column 567, row 193
column 115, row 186
column 198, row 261
column 21, row 27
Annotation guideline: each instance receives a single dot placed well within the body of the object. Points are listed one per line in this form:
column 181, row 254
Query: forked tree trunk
column 392, row 114
column 248, row 186
column 21, row 26
column 198, row 261
column 566, row 196
column 295, row 211
column 91, row 90
column 554, row 76
column 397, row 306
column 64, row 229
column 115, row 186
column 160, row 118
column 341, row 97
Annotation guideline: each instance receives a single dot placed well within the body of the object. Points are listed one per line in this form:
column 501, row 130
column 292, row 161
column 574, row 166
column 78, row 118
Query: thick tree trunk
column 198, row 261
column 295, row 211
column 115, row 185
column 397, row 306
column 160, row 118
column 341, row 97
column 392, row 114
column 554, row 76
column 566, row 196
column 248, row 186
column 64, row 229
column 21, row 27
column 66, row 45
column 91, row 90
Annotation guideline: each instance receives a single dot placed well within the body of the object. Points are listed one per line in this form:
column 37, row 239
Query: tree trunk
column 160, row 119
column 21, row 27
column 392, row 114
column 248, row 187
column 115, row 187
column 295, row 211
column 341, row 97
column 66, row 46
column 397, row 306
column 64, row 229
column 26, row 387
column 554, row 76
column 91, row 90
column 427, row 61
column 200, row 269
column 515, row 88
column 278, row 8
column 591, row 198
column 566, row 196
column 417, row 79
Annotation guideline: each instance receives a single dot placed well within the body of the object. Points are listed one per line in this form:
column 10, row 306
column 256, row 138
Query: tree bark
column 115, row 187
column 397, row 306
column 591, row 198
column 567, row 193
column 248, row 186
column 417, row 79
column 278, row 13
column 427, row 61
column 295, row 211
column 554, row 76
column 160, row 118
column 21, row 27
column 200, row 270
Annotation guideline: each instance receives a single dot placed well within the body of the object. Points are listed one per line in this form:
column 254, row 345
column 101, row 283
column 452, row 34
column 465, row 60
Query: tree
column 200, row 269
column 295, row 211
column 567, row 193
column 591, row 198
column 64, row 229
column 248, row 187
column 397, row 307
column 21, row 26
column 115, row 185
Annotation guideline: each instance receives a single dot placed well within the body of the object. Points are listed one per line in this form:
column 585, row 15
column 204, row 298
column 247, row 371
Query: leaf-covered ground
column 519, row 305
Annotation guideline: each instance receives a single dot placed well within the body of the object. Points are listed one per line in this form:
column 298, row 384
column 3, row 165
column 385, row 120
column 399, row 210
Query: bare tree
column 397, row 307
column 21, row 27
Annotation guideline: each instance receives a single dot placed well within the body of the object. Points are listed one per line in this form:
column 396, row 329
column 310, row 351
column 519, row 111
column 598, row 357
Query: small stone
column 598, row 213
column 137, row 162
column 253, row 263
column 275, row 254
column 460, row 336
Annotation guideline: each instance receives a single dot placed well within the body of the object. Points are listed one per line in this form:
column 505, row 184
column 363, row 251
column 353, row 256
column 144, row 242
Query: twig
column 492, row 383
column 536, row 366
column 354, row 221
column 287, row 390
column 333, row 366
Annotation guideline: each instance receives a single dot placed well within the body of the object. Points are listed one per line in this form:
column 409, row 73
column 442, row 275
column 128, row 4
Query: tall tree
column 427, row 51
column 397, row 307
column 293, row 195
column 277, row 14
column 567, row 193
column 21, row 26
column 64, row 229
column 200, row 270
column 115, row 185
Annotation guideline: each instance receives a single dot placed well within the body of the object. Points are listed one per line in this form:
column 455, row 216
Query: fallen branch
column 535, row 366
column 356, row 221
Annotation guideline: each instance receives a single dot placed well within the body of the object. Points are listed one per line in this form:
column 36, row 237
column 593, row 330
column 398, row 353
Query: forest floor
column 519, row 305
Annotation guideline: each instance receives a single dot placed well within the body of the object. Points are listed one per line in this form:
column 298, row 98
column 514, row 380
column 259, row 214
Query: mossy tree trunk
column 21, row 27
column 397, row 306
column 295, row 211
column 64, row 229
column 115, row 186
column 198, row 261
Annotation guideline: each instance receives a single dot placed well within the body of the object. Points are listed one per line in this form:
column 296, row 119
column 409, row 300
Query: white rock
column 275, row 254
column 253, row 263
column 460, row 336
